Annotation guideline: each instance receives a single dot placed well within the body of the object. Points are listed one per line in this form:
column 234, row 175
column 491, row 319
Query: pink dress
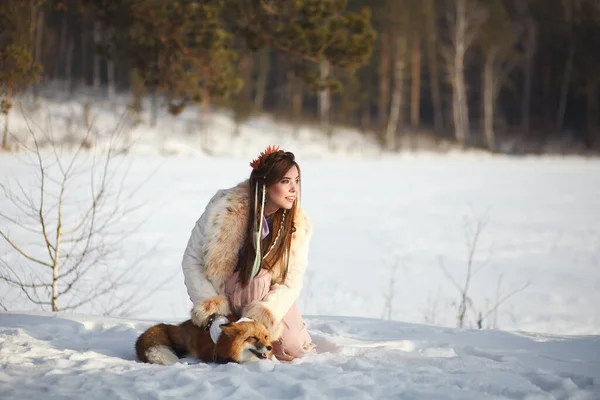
column 295, row 341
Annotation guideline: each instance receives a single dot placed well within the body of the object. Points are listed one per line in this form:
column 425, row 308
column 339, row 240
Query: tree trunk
column 39, row 34
column 55, row 289
column 397, row 105
column 154, row 108
column 324, row 96
column 460, row 109
column 96, row 72
column 530, row 44
column 263, row 76
column 592, row 113
column 111, row 73
column 547, row 93
column 365, row 116
column 489, row 96
column 136, row 90
column 62, row 48
column 415, row 92
column 56, row 266
column 205, row 122
column 84, row 53
column 564, row 91
column 384, row 79
column 296, row 98
column 6, row 111
column 69, row 66
column 205, row 106
column 246, row 66
column 434, row 78
column 110, row 79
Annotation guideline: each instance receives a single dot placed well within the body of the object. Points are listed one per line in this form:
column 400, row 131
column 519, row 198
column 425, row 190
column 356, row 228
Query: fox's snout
column 260, row 346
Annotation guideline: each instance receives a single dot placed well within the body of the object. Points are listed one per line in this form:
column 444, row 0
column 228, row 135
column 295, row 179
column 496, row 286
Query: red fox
column 239, row 342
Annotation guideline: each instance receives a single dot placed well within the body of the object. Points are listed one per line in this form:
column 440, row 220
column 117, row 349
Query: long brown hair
column 272, row 168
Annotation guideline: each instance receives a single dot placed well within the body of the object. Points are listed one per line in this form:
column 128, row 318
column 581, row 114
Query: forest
column 477, row 73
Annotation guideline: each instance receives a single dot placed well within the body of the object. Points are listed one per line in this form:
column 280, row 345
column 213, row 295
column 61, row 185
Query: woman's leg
column 295, row 340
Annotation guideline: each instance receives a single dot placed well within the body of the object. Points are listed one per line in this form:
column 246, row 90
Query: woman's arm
column 202, row 293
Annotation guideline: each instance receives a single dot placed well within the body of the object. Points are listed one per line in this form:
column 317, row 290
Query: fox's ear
column 230, row 328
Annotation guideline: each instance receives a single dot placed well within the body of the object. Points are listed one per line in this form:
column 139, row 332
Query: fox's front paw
column 258, row 312
column 215, row 305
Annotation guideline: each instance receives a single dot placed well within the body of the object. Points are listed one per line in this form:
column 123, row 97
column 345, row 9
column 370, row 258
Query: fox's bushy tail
column 161, row 344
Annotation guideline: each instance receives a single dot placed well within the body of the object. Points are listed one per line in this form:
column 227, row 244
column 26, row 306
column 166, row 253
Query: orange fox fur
column 239, row 342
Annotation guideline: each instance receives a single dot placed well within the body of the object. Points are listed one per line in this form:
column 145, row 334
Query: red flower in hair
column 269, row 150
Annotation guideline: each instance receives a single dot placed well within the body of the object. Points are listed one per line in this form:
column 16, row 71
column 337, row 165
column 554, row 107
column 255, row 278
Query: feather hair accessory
column 268, row 151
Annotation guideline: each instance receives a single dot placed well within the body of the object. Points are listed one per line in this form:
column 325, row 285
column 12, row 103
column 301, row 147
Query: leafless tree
column 388, row 306
column 530, row 43
column 499, row 301
column 497, row 43
column 464, row 18
column 466, row 303
column 431, row 310
column 400, row 49
column 397, row 103
column 62, row 239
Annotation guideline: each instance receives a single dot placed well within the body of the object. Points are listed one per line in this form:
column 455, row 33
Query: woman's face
column 282, row 194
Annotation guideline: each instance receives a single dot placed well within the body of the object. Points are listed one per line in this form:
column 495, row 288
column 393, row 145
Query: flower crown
column 268, row 151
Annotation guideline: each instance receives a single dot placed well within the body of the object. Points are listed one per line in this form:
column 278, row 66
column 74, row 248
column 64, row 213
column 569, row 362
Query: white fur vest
column 212, row 255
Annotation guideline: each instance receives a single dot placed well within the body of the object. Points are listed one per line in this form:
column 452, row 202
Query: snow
column 383, row 224
column 43, row 355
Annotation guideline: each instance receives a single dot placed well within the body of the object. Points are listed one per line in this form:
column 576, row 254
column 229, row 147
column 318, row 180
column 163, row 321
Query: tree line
column 470, row 71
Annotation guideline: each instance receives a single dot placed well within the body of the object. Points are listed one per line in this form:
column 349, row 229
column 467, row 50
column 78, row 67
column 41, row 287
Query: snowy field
column 383, row 225
column 543, row 228
column 71, row 357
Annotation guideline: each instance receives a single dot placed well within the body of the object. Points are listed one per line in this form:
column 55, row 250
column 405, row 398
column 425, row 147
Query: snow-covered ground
column 383, row 224
column 44, row 356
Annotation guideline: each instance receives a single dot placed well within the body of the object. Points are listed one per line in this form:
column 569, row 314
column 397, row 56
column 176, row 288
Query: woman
column 247, row 254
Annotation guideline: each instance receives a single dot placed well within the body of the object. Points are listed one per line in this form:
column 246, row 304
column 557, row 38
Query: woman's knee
column 295, row 341
column 287, row 351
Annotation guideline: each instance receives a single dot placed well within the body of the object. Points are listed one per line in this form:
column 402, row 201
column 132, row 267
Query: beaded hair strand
column 272, row 158
column 256, row 164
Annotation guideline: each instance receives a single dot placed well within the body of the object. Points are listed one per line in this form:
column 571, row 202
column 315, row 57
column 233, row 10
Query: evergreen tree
column 17, row 66
column 184, row 48
column 310, row 31
column 180, row 48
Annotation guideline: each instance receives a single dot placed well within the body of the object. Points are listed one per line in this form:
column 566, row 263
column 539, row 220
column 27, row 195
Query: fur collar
column 226, row 229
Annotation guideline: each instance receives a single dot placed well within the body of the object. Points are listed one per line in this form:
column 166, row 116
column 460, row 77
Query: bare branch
column 85, row 250
column 16, row 282
column 389, row 294
column 18, row 203
column 449, row 276
column 41, row 206
column 505, row 298
column 21, row 252
column 20, row 224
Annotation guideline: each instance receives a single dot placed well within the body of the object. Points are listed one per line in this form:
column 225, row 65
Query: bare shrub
column 63, row 239
column 473, row 229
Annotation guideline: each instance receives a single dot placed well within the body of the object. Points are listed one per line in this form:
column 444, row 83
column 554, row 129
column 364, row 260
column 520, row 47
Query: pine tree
column 180, row 48
column 17, row 65
column 185, row 48
column 306, row 30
